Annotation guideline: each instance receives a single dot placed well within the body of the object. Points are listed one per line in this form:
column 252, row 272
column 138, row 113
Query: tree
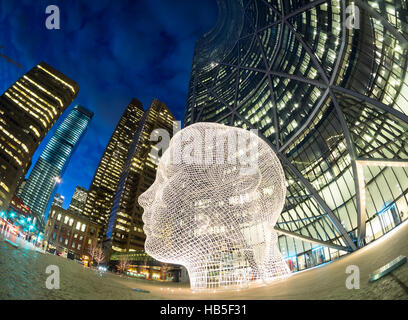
column 96, row 252
column 99, row 256
column 123, row 263
column 92, row 250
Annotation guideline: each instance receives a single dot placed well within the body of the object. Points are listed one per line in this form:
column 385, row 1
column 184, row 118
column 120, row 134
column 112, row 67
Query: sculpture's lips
column 146, row 231
column 145, row 215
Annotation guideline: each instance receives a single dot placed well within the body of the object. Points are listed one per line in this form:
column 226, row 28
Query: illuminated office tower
column 78, row 200
column 326, row 85
column 106, row 179
column 125, row 228
column 50, row 166
column 28, row 109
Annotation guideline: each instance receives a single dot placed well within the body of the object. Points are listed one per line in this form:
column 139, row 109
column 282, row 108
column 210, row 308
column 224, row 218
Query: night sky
column 114, row 50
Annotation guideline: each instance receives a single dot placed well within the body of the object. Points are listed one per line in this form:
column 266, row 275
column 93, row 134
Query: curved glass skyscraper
column 40, row 186
column 326, row 84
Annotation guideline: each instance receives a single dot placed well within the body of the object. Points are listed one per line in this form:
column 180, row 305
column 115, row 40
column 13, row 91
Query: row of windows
column 318, row 128
column 70, row 221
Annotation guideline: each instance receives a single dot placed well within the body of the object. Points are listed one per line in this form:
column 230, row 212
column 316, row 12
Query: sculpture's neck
column 229, row 271
column 218, row 275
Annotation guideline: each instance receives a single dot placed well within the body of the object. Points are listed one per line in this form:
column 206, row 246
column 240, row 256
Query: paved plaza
column 23, row 276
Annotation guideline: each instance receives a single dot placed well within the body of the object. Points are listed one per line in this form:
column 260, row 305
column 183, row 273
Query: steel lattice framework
column 329, row 94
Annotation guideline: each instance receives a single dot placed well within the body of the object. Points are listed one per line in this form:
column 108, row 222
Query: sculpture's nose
column 146, row 198
column 145, row 201
column 142, row 200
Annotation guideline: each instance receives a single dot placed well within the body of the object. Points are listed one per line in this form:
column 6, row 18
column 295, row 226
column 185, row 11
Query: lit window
column 59, row 217
column 78, row 225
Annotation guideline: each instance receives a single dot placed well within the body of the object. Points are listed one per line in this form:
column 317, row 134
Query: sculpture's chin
column 156, row 250
column 149, row 249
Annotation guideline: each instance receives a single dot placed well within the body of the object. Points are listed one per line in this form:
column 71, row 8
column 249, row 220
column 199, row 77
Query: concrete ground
column 22, row 276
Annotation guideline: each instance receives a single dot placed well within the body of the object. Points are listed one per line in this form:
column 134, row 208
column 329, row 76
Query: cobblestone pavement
column 22, row 276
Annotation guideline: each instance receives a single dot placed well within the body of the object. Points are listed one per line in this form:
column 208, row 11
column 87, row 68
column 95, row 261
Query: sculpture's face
column 163, row 222
column 194, row 210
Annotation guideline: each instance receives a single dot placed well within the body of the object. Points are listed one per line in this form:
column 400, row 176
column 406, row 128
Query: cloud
column 115, row 50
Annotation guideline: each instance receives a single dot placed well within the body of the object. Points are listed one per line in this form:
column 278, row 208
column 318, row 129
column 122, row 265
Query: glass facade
column 41, row 184
column 125, row 227
column 28, row 110
column 325, row 83
column 103, row 188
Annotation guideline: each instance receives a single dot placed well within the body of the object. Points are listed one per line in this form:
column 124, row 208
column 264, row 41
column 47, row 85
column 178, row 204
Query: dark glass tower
column 326, row 85
column 125, row 228
column 103, row 188
column 50, row 166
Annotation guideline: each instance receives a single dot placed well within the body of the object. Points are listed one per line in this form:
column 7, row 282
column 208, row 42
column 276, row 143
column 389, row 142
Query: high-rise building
column 20, row 186
column 28, row 109
column 106, row 179
column 50, row 166
column 125, row 227
column 78, row 200
column 58, row 200
column 325, row 83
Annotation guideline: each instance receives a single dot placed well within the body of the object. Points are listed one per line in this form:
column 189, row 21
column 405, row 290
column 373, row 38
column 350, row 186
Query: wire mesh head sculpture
column 218, row 193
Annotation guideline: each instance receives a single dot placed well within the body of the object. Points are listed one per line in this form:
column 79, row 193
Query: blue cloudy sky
column 114, row 50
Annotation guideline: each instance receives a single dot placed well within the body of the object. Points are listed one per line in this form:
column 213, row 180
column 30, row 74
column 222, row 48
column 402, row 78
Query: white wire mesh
column 210, row 213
